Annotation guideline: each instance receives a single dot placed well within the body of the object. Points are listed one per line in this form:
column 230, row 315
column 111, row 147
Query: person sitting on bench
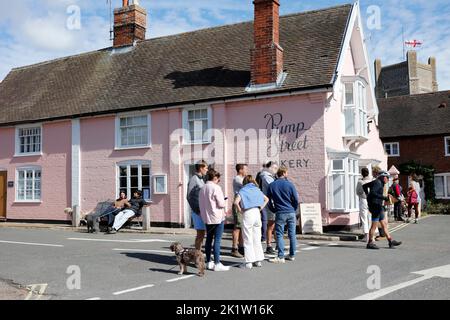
column 137, row 203
column 121, row 203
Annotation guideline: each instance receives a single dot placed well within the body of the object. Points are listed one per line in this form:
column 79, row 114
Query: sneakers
column 277, row 260
column 111, row 231
column 393, row 244
column 220, row 267
column 416, row 221
column 210, row 265
column 290, row 258
column 270, row 250
column 235, row 253
column 258, row 264
column 372, row 246
column 246, row 266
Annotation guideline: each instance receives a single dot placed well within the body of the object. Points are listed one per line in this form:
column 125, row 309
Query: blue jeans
column 214, row 232
column 264, row 225
column 280, row 221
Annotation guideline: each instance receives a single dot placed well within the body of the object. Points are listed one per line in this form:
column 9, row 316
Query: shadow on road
column 151, row 257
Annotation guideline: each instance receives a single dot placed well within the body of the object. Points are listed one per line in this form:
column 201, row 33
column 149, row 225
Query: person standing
column 375, row 197
column 396, row 192
column 237, row 249
column 416, row 185
column 266, row 177
column 195, row 184
column 250, row 201
column 363, row 207
column 412, row 200
column 283, row 200
column 212, row 204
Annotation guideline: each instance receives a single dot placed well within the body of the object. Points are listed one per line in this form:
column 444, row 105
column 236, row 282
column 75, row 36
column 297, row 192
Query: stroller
column 103, row 210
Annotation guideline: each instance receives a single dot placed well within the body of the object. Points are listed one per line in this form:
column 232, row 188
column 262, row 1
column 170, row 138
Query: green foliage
column 438, row 208
column 421, row 170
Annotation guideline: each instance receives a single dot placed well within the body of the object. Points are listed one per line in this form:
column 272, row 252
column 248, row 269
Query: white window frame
column 118, row 140
column 128, row 164
column 391, row 144
column 17, row 141
column 447, row 146
column 27, row 168
column 350, row 181
column 158, row 176
column 185, row 117
column 358, row 107
column 446, row 186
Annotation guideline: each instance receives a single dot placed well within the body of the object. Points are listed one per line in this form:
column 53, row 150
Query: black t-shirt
column 136, row 205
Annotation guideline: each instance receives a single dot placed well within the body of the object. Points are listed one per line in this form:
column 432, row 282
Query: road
column 137, row 266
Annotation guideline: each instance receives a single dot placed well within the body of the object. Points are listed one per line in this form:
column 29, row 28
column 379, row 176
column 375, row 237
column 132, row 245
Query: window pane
column 395, row 149
column 447, row 143
column 338, row 165
column 439, row 187
column 205, row 113
column 123, row 171
column 338, row 192
column 123, row 183
column 145, row 182
column 134, row 170
column 387, row 147
column 145, row 170
column 349, row 94
column 191, row 115
column 350, row 122
column 448, row 187
column 160, row 185
column 134, row 182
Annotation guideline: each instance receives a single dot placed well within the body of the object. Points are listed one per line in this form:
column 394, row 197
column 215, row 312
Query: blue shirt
column 251, row 197
column 283, row 196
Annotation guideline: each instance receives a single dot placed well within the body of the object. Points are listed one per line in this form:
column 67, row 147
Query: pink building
column 75, row 131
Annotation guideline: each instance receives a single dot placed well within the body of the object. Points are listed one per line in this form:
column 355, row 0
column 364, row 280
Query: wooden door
column 3, row 183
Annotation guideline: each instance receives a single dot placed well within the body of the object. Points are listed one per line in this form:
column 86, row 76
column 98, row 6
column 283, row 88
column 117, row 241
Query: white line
column 310, row 249
column 180, row 278
column 142, row 250
column 388, row 290
column 96, row 298
column 133, row 289
column 121, row 241
column 33, row 244
column 333, row 244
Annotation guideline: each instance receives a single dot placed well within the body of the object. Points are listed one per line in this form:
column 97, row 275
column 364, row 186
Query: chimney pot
column 130, row 23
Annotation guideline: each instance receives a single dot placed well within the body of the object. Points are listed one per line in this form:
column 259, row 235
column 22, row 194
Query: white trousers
column 121, row 218
column 251, row 233
column 364, row 215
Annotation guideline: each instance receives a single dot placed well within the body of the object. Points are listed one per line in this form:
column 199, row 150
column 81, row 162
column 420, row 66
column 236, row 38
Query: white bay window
column 355, row 107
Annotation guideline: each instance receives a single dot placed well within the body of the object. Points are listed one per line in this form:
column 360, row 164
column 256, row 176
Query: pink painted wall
column 99, row 161
column 55, row 166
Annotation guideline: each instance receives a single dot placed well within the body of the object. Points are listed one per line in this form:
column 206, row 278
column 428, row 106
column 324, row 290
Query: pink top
column 212, row 203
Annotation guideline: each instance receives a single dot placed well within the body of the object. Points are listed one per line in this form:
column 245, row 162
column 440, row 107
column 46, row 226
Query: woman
column 416, row 185
column 212, row 203
column 249, row 202
column 412, row 201
column 119, row 205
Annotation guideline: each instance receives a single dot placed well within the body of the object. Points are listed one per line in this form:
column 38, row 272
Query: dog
column 189, row 255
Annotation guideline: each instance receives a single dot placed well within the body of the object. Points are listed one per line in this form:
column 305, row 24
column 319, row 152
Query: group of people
column 375, row 197
column 260, row 205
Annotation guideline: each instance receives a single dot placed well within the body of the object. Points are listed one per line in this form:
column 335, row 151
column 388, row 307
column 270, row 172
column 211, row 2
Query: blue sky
column 33, row 31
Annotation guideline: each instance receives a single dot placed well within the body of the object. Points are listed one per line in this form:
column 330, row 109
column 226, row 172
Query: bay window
column 342, row 181
column 355, row 108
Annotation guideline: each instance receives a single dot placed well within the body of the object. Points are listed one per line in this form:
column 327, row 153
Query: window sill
column 21, row 155
column 196, row 143
column 132, row 148
column 27, row 202
column 394, row 156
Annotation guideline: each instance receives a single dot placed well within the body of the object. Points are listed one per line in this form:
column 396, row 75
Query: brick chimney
column 130, row 23
column 266, row 54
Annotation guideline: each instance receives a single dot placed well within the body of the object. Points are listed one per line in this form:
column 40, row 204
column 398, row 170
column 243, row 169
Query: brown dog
column 186, row 256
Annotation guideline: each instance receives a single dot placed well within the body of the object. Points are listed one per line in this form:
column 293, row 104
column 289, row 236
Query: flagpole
column 403, row 42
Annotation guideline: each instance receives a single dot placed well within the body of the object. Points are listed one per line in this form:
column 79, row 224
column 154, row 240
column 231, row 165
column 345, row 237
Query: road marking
column 333, row 244
column 96, row 298
column 441, row 272
column 143, row 250
column 151, row 240
column 36, row 288
column 33, row 244
column 120, row 241
column 180, row 278
column 133, row 289
column 310, row 249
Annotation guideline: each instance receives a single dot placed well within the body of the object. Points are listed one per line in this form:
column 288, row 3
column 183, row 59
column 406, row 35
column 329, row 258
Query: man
column 237, row 249
column 135, row 209
column 396, row 192
column 284, row 202
column 375, row 197
column 375, row 172
column 363, row 207
column 197, row 182
column 266, row 177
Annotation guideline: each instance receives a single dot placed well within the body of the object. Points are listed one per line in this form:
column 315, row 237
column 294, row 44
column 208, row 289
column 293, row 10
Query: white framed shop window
column 342, row 180
column 442, row 186
column 133, row 131
column 133, row 176
column 28, row 140
column 160, row 184
column 196, row 123
column 392, row 149
column 29, row 186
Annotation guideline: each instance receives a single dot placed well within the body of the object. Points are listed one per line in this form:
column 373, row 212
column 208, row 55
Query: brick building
column 417, row 128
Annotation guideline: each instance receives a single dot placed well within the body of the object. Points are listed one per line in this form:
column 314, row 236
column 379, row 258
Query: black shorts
column 377, row 212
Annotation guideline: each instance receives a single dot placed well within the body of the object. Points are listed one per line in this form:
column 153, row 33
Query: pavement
column 73, row 265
